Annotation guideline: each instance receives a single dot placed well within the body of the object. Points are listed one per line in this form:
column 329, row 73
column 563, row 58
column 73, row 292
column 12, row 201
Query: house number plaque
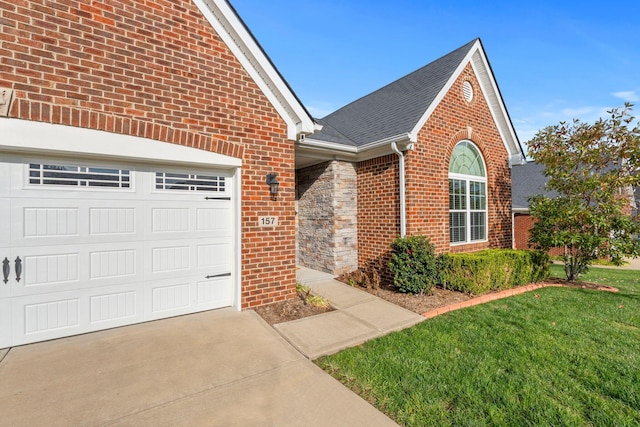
column 268, row 221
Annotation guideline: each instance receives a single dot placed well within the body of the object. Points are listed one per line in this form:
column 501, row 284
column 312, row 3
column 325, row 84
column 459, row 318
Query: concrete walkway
column 216, row 368
column 358, row 317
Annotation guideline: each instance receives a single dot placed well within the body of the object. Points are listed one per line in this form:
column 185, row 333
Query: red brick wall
column 378, row 209
column 427, row 189
column 522, row 224
column 156, row 69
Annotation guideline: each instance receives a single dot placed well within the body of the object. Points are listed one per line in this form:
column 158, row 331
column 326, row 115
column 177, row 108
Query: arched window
column 467, row 194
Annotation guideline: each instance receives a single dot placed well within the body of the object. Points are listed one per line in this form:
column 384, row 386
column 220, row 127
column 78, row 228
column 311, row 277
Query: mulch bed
column 286, row 311
column 296, row 308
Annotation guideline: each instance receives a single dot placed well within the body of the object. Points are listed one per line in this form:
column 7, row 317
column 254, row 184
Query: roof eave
column 325, row 150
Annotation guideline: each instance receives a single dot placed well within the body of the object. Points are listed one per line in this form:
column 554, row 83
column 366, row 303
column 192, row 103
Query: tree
column 592, row 168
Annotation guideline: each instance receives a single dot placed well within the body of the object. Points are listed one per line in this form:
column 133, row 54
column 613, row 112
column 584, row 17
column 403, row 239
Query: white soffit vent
column 467, row 91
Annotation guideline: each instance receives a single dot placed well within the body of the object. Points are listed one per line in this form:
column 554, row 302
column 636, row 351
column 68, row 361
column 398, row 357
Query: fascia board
column 398, row 139
column 490, row 91
column 358, row 154
column 234, row 34
column 318, row 145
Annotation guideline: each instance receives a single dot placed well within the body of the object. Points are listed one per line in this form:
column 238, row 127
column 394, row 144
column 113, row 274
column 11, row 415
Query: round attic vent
column 467, row 91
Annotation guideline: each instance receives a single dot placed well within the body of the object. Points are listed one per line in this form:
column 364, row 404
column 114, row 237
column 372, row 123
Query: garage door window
column 78, row 176
column 190, row 182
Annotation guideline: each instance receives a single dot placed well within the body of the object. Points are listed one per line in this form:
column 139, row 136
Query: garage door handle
column 217, row 198
column 18, row 268
column 6, row 268
column 218, row 275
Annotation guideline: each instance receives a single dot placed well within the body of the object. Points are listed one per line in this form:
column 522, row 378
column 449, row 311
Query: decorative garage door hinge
column 218, row 275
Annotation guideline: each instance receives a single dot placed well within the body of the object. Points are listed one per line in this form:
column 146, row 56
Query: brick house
column 430, row 153
column 136, row 140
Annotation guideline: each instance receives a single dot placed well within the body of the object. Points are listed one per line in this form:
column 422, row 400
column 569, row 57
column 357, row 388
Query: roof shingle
column 394, row 109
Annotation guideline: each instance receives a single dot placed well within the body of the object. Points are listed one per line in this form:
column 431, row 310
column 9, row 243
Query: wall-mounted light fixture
column 273, row 184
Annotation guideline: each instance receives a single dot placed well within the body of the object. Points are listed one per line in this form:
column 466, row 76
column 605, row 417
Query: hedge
column 493, row 269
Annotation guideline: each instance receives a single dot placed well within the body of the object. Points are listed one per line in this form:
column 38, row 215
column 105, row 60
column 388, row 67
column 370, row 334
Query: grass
column 556, row 356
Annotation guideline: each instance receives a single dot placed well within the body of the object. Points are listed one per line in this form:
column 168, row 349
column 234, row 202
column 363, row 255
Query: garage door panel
column 46, row 316
column 214, row 293
column 170, row 297
column 50, row 269
column 110, row 220
column 173, row 297
column 174, row 258
column 215, row 219
column 214, row 256
column 69, row 267
column 73, row 222
column 37, row 221
column 116, row 306
column 116, row 264
column 166, row 221
column 60, row 314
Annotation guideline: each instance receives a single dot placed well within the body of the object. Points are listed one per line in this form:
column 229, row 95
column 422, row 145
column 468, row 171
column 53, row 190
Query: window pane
column 78, row 176
column 457, row 227
column 477, row 195
column 466, row 160
column 457, row 194
column 189, row 182
column 478, row 226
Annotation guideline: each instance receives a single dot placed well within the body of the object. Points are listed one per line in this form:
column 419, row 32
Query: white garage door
column 88, row 246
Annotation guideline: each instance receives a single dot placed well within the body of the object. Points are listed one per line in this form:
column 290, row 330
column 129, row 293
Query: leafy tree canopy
column 593, row 168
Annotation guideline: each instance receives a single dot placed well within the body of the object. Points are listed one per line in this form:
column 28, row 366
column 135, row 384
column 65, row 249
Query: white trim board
column 38, row 137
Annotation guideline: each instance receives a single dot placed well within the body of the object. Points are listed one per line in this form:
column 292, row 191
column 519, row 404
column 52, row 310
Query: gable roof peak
column 401, row 108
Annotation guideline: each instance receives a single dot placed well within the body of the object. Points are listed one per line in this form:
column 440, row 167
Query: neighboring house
column 136, row 140
column 430, row 153
column 529, row 180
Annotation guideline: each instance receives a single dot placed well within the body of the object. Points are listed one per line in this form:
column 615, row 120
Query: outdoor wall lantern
column 273, row 184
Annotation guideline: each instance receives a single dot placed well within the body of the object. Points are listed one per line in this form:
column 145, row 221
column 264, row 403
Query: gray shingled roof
column 394, row 109
column 527, row 180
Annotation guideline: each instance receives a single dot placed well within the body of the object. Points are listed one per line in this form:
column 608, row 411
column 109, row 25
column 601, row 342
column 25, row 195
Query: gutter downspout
column 403, row 209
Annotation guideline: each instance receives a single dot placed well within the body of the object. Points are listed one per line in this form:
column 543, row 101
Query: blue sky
column 553, row 60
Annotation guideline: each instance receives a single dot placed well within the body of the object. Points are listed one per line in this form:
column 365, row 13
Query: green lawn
column 556, row 356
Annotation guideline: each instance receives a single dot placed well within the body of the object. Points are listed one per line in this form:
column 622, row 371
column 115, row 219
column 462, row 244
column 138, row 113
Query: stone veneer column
column 327, row 225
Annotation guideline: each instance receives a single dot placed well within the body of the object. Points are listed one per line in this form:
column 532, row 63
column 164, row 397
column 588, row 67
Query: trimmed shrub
column 493, row 269
column 413, row 264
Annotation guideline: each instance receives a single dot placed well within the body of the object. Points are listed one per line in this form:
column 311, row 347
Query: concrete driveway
column 214, row 368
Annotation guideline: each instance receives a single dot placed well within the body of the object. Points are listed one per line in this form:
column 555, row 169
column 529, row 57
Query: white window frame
column 468, row 179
